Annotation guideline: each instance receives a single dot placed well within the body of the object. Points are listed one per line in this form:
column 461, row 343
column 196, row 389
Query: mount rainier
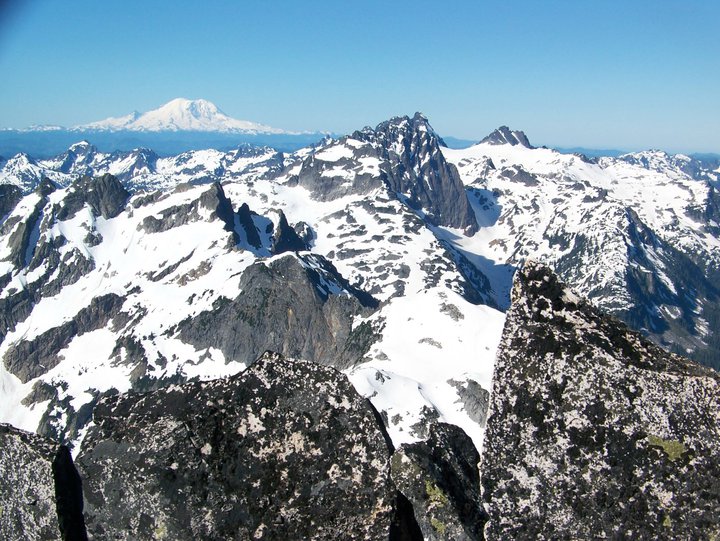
column 179, row 125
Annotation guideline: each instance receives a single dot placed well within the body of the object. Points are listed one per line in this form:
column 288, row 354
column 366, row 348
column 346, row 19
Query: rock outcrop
column 105, row 196
column 594, row 432
column 440, row 478
column 419, row 171
column 285, row 238
column 40, row 490
column 284, row 450
column 505, row 136
column 403, row 156
column 212, row 204
column 9, row 197
column 299, row 306
column 28, row 359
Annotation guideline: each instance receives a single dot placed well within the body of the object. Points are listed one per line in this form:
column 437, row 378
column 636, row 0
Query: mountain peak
column 81, row 146
column 505, row 136
column 180, row 114
column 198, row 108
column 407, row 125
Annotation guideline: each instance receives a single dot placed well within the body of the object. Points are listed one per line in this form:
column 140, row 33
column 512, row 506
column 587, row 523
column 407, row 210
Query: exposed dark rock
column 14, row 309
column 27, row 490
column 519, row 175
column 595, row 432
column 29, row 359
column 329, row 180
column 140, row 160
column 419, row 171
column 167, row 271
column 505, row 136
column 245, row 217
column 659, row 280
column 40, row 392
column 708, row 212
column 298, row 306
column 40, row 490
column 9, row 197
column 105, row 195
column 440, row 479
column 77, row 159
column 62, row 422
column 45, row 187
column 147, row 199
column 284, row 450
column 474, row 398
column 410, row 165
column 60, row 271
column 475, row 287
column 427, row 417
column 284, row 237
column 306, row 234
column 24, row 235
column 213, row 199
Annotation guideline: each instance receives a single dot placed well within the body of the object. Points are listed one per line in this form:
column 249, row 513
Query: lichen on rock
column 593, row 430
column 284, row 450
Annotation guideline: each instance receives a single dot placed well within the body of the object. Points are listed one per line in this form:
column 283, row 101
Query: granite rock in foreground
column 594, row 432
column 284, row 450
column 440, row 479
column 40, row 490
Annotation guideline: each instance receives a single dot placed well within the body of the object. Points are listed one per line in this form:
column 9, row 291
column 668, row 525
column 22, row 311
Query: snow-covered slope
column 180, row 114
column 140, row 168
column 381, row 253
column 329, row 254
column 639, row 235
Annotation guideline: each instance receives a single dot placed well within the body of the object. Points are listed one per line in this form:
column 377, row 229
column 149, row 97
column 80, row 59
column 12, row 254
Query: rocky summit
column 285, row 450
column 594, row 432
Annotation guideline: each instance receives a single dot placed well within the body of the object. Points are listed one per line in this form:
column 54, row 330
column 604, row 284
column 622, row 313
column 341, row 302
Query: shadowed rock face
column 105, row 195
column 9, row 197
column 213, row 199
column 594, row 431
column 440, row 479
column 419, row 170
column 285, row 450
column 409, row 164
column 298, row 306
column 28, row 359
column 285, row 238
column 40, row 490
column 505, row 136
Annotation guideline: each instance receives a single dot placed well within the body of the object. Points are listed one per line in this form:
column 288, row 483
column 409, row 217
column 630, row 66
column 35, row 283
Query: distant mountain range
column 180, row 114
column 182, row 124
column 177, row 126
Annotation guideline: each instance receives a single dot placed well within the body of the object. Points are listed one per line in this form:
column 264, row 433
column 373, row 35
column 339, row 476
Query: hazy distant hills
column 181, row 125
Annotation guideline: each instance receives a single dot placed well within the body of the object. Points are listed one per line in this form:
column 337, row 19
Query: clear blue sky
column 603, row 74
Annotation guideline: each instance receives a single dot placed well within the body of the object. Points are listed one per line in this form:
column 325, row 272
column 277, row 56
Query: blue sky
column 602, row 74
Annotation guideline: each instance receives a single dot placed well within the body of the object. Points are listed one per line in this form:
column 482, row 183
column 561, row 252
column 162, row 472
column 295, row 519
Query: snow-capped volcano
column 180, row 114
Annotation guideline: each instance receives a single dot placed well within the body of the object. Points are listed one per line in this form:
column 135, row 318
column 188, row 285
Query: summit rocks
column 593, row 430
column 284, row 450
